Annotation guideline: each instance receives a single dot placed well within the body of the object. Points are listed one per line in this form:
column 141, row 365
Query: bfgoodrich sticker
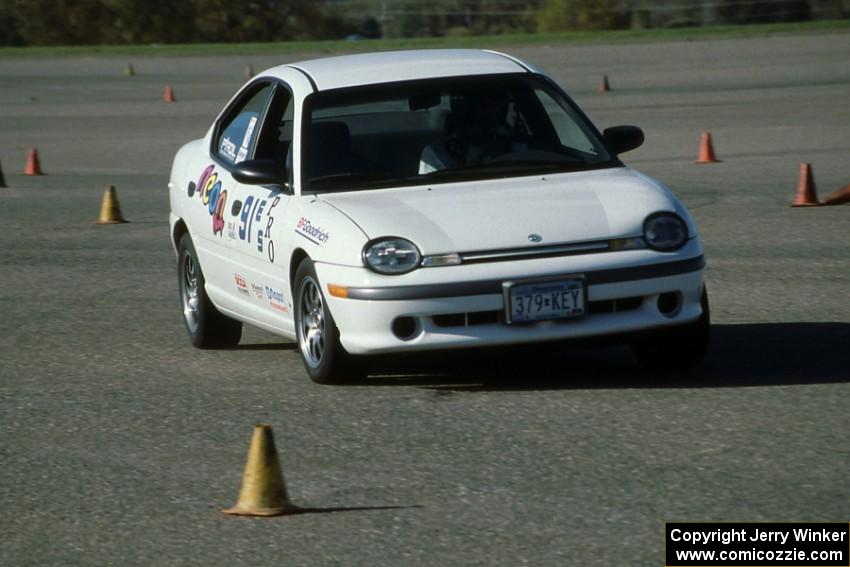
column 313, row 233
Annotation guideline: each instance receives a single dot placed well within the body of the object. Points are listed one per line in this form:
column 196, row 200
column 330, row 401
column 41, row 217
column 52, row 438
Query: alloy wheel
column 311, row 322
column 189, row 292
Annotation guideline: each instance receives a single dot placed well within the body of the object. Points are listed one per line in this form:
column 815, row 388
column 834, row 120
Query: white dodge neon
column 423, row 200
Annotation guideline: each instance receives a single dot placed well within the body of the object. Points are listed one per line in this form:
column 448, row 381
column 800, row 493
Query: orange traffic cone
column 604, row 87
column 2, row 179
column 806, row 193
column 33, row 166
column 168, row 94
column 706, row 150
column 840, row 197
column 110, row 211
column 263, row 492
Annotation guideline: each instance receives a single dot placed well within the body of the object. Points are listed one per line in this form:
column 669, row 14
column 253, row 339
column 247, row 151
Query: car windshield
column 444, row 130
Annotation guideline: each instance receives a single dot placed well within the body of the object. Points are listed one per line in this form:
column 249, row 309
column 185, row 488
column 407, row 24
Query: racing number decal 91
column 252, row 211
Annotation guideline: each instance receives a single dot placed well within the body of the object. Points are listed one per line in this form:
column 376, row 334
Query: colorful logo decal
column 314, row 234
column 211, row 194
column 208, row 189
column 276, row 300
column 218, row 213
column 241, row 284
column 258, row 290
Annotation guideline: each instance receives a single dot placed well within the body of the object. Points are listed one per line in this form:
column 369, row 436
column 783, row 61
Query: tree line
column 105, row 22
column 117, row 22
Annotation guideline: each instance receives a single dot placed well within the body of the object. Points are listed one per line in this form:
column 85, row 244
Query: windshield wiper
column 508, row 165
column 353, row 176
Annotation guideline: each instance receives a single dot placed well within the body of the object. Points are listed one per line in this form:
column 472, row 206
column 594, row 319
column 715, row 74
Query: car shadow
column 298, row 510
column 264, row 346
column 745, row 355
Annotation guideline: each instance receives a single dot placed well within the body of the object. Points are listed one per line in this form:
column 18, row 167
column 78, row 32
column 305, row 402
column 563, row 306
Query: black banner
column 757, row 544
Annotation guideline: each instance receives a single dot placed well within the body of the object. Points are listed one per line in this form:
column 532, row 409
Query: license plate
column 543, row 300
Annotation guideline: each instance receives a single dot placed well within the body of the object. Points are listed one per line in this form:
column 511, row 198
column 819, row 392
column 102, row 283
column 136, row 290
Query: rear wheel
column 324, row 358
column 677, row 348
column 207, row 327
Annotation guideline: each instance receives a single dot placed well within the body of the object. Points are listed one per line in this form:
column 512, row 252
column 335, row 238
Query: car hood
column 504, row 213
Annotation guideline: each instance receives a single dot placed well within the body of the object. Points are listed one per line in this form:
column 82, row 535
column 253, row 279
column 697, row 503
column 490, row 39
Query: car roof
column 389, row 66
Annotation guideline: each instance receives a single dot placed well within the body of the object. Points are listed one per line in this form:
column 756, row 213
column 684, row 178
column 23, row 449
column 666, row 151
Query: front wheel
column 678, row 348
column 324, row 358
column 207, row 327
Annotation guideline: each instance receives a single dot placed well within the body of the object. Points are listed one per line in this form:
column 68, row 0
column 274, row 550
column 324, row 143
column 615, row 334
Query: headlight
column 665, row 231
column 391, row 255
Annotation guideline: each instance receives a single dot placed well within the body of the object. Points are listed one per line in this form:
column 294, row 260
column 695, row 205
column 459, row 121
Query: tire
column 679, row 348
column 316, row 333
column 207, row 327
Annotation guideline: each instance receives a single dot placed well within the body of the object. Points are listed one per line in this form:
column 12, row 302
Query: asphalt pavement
column 120, row 443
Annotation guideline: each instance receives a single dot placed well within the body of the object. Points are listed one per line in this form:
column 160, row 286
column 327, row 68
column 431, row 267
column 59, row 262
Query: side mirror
column 260, row 172
column 621, row 139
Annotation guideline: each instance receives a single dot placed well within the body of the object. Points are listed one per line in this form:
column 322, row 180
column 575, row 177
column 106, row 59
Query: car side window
column 275, row 139
column 569, row 132
column 240, row 129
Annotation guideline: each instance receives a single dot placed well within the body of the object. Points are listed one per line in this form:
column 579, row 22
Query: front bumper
column 463, row 306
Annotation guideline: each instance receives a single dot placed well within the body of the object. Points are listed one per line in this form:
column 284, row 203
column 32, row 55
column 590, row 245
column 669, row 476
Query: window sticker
column 246, row 140
column 249, row 132
column 228, row 148
column 242, row 128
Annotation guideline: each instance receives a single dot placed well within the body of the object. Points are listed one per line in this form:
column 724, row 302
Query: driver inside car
column 477, row 130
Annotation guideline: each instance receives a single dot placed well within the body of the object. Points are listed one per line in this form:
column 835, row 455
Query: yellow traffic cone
column 263, row 492
column 110, row 211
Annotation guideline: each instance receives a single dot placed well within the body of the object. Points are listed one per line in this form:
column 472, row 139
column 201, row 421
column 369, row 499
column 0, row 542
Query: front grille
column 474, row 318
column 546, row 251
column 467, row 319
column 615, row 305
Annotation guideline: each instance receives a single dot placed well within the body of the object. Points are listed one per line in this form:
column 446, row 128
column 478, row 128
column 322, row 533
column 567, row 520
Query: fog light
column 669, row 303
column 404, row 328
